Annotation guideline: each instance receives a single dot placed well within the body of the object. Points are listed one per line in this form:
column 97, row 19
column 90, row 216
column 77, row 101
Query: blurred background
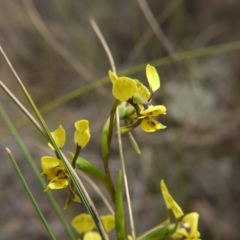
column 57, row 54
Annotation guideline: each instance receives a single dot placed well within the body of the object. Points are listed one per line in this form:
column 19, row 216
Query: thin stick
column 155, row 27
column 96, row 188
column 125, row 176
column 147, row 35
column 25, row 111
column 104, row 43
column 12, row 69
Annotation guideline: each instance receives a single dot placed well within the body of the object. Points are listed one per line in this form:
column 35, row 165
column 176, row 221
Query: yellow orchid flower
column 148, row 124
column 82, row 133
column 134, row 92
column 54, row 170
column 125, row 88
column 169, row 201
column 188, row 228
column 59, row 136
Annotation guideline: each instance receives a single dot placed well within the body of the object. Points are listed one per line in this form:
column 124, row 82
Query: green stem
column 106, row 144
column 30, row 195
column 76, row 155
column 161, row 231
column 133, row 142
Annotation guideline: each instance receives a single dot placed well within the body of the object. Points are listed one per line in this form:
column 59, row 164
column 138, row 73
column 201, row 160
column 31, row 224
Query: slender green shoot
column 106, row 140
column 30, row 195
column 104, row 43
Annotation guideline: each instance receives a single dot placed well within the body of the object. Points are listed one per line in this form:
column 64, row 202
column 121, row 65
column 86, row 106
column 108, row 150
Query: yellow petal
column 187, row 229
column 58, row 183
column 169, row 201
column 92, row 236
column 165, row 194
column 163, row 187
column 191, row 220
column 153, row 78
column 143, row 92
column 49, row 162
column 124, row 88
column 55, row 172
column 148, row 124
column 82, row 133
column 154, row 110
column 177, row 211
column 180, row 233
column 112, row 76
column 59, row 136
column 83, row 223
column 108, row 222
column 52, row 167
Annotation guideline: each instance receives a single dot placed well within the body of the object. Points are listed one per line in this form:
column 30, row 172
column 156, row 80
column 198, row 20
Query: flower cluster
column 135, row 107
column 84, row 225
column 132, row 91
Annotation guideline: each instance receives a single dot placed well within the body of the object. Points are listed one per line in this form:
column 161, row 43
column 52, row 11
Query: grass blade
column 30, row 195
column 119, row 210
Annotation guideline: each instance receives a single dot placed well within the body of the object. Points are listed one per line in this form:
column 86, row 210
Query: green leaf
column 125, row 129
column 119, row 210
column 89, row 168
column 133, row 142
column 161, row 231
column 105, row 140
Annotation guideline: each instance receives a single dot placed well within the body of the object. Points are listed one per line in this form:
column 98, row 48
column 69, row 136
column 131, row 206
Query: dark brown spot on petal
column 151, row 123
column 59, row 172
